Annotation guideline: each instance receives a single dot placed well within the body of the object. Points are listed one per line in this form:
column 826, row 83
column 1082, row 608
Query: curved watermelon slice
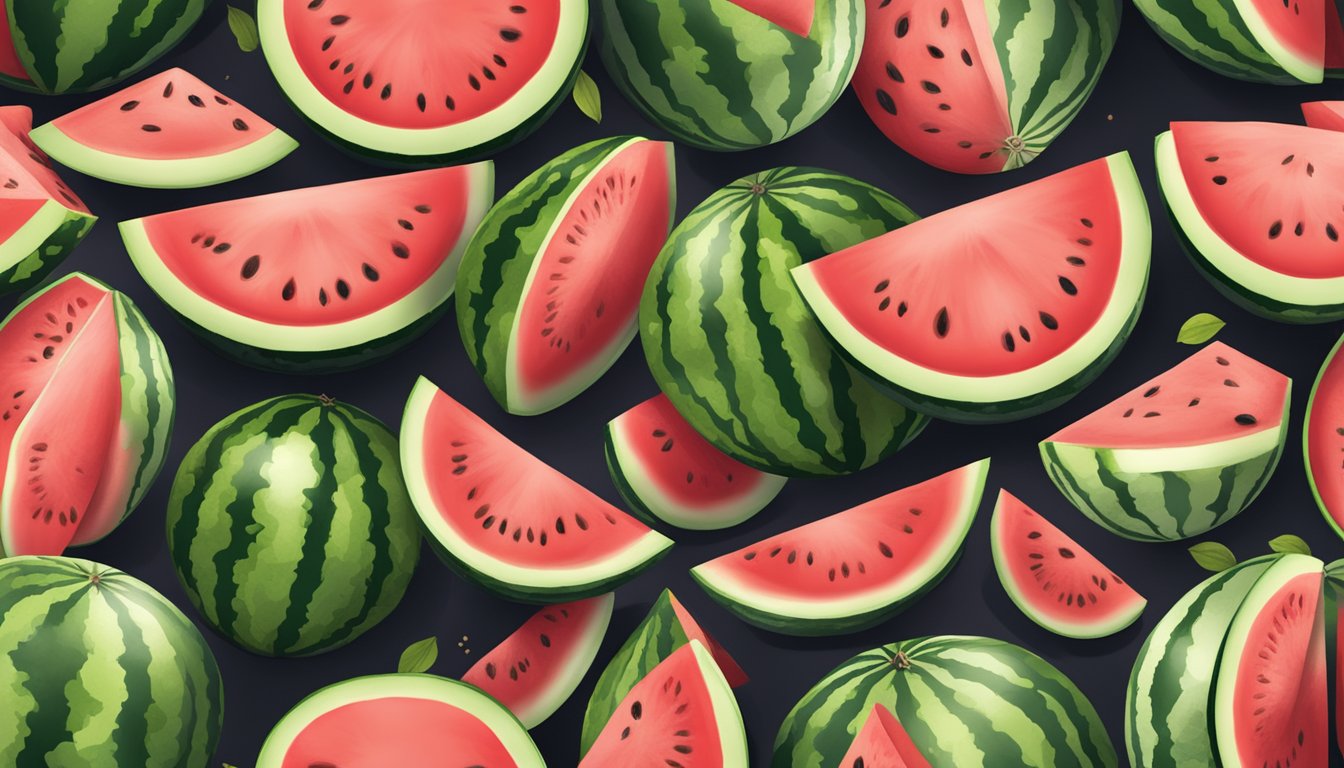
column 666, row 470
column 320, row 278
column 1053, row 580
column 424, row 81
column 883, row 743
column 1324, row 114
column 169, row 131
column 1323, row 439
column 538, row 667
column 854, row 569
column 1000, row 308
column 506, row 519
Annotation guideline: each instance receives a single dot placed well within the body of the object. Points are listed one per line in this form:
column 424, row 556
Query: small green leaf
column 587, row 97
column 1213, row 556
column 419, row 656
column 1289, row 544
column 1200, row 328
column 244, row 29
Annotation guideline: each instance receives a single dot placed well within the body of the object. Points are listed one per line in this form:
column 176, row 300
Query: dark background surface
column 1144, row 86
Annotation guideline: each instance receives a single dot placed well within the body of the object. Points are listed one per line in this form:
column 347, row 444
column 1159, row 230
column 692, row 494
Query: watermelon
column 549, row 286
column 101, row 670
column 735, row 348
column 78, row 353
column 1266, row 233
column 526, row 531
column 682, row 715
column 1054, row 581
column 666, row 471
column 731, row 74
column 969, row 702
column 216, row 265
column 1136, row 472
column 398, row 720
column 854, row 569
column 424, row 83
column 981, row 87
column 883, row 743
column 921, row 293
column 1334, row 39
column 1323, row 439
column 1262, row 41
column 168, row 131
column 538, row 667
column 1324, row 114
column 289, row 525
column 1334, row 649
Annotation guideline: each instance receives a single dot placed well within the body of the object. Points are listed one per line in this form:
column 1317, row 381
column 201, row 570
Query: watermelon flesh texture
column 12, row 71
column 732, row 672
column 883, row 743
column 793, row 15
column 1328, row 115
column 28, row 178
column 1292, row 32
column 1334, row 38
column 1323, row 440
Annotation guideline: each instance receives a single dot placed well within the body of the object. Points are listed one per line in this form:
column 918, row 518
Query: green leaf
column 1200, row 328
column 419, row 656
column 244, row 29
column 587, row 97
column 1213, row 556
column 1289, row 544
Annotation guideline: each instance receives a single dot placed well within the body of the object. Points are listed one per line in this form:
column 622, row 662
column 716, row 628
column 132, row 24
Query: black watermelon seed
column 473, row 82
column 196, row 101
column 903, row 26
column 510, row 35
column 936, row 52
column 1151, row 391
column 931, row 87
column 966, row 57
column 370, row 273
column 1245, row 419
column 148, row 128
column 1009, row 343
column 167, row 90
column 1220, row 180
column 386, row 93
column 338, row 20
column 1068, row 286
column 251, row 266
column 941, row 323
column 287, row 293
column 894, row 73
column 944, row 18
column 342, row 289
column 400, row 250
column 239, row 125
column 367, row 82
column 128, row 106
column 885, row 101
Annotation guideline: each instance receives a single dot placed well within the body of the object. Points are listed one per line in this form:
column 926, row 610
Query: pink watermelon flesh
column 423, row 63
column 732, row 672
column 1328, row 115
column 1334, row 39
column 793, row 15
column 1325, row 439
column 1296, row 25
column 27, row 180
column 883, row 743
column 930, row 79
column 1215, row 394
column 17, row 119
column 10, row 64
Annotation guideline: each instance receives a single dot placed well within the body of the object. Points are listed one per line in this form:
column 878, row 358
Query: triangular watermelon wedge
column 883, row 743
column 1324, row 114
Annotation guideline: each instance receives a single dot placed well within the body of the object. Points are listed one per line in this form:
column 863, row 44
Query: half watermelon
column 1323, row 439
column 1000, row 308
column 883, row 743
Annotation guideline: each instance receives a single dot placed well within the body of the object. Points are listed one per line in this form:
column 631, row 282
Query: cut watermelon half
column 666, row 470
column 1000, row 308
column 1324, row 114
column 856, row 568
column 506, row 519
column 883, row 743
column 1323, row 439
column 169, row 131
column 682, row 714
column 315, row 279
column 538, row 667
column 424, row 81
column 1053, row 580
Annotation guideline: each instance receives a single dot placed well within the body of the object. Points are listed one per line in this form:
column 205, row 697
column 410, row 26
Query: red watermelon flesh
column 11, row 65
column 793, row 15
column 27, row 180
column 1324, row 114
column 883, row 743
column 1324, row 443
column 17, row 119
column 1296, row 25
column 732, row 672
column 1334, row 39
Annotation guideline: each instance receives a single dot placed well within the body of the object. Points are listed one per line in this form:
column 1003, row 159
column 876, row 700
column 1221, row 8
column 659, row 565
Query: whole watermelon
column 735, row 348
column 720, row 77
column 290, row 527
column 100, row 671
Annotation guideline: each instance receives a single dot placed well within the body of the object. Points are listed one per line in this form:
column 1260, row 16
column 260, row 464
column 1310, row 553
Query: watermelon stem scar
column 901, row 661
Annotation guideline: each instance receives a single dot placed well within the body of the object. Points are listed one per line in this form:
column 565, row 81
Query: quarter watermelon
column 1263, row 41
column 167, row 131
column 101, row 670
column 318, row 279
column 736, row 349
column 1324, row 114
column 289, row 525
column 966, row 323
column 1323, row 439
column 969, row 702
column 978, row 86
column 1180, row 454
column 883, row 743
column 549, row 285
column 424, row 82
column 731, row 74
column 854, row 569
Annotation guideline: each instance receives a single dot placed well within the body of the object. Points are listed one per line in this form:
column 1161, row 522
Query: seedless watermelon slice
column 1324, row 114
column 883, row 743
column 1000, row 308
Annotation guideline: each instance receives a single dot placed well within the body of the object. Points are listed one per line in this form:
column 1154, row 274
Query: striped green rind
column 734, row 347
column 719, row 77
column 41, row 245
column 965, row 702
column 290, row 527
column 97, row 670
column 1218, row 34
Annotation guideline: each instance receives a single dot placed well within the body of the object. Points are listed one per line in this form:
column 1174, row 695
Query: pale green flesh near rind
column 30, row 237
column 727, row 717
column 574, row 668
column 1228, row 37
column 1306, row 447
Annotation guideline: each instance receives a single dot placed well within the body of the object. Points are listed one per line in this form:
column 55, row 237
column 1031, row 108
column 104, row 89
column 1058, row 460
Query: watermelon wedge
column 168, row 131
column 1263, row 41
column 967, row 323
column 854, row 569
column 1324, row 114
column 507, row 520
column 883, row 743
column 315, row 279
column 1053, row 580
column 537, row 668
column 1323, row 439
column 1334, row 649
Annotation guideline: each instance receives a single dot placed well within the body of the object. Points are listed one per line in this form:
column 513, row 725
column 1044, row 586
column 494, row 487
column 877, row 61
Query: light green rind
column 40, row 245
column 1230, row 38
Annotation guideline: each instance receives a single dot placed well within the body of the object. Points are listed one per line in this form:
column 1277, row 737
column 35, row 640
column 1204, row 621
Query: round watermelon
column 101, row 670
column 1264, row 41
column 290, row 527
column 734, row 347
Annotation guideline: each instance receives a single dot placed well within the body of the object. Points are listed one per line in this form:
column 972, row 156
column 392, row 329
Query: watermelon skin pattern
column 36, row 266
column 95, row 658
column 303, row 567
column 965, row 701
column 733, row 345
column 767, row 83
column 1213, row 34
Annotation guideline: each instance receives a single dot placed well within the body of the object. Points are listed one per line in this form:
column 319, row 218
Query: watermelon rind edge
column 30, row 254
column 732, row 730
column 1306, row 443
column 575, row 667
column 1227, row 37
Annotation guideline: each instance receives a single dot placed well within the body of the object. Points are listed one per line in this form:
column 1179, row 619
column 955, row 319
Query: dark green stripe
column 58, row 650
column 130, row 740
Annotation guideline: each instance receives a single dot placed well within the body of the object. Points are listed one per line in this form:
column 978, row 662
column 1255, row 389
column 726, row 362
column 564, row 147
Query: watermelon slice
column 538, row 667
column 883, row 743
column 398, row 720
column 506, row 519
column 169, row 131
column 1334, row 38
column 1257, row 213
column 1323, row 439
column 967, row 322
column 424, row 81
column 1180, row 454
column 683, row 714
column 1324, row 114
column 854, row 569
column 1053, row 580
column 1334, row 649
column 666, row 470
column 315, row 279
